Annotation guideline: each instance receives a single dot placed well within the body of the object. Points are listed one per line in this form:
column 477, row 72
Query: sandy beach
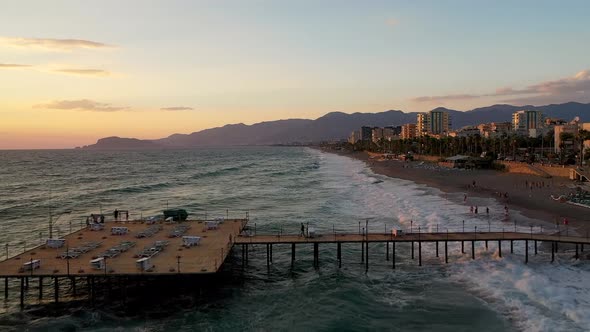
column 536, row 203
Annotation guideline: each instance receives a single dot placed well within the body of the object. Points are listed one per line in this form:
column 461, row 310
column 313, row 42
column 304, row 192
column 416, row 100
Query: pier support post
column 362, row 251
column 500, row 248
column 582, row 247
column 243, row 255
column 387, row 250
column 472, row 249
column 526, row 251
column 535, row 247
column 446, row 252
column 27, row 283
column 316, row 255
column 92, row 290
column 40, row 288
column 419, row 253
column 486, row 245
column 22, row 292
column 271, row 252
column 247, row 255
column 437, row 249
column 339, row 254
column 577, row 254
column 393, row 254
column 462, row 247
column 412, row 249
column 267, row 255
column 6, row 288
column 292, row 254
column 56, row 289
column 73, row 281
column 367, row 256
column 552, row 251
column 512, row 246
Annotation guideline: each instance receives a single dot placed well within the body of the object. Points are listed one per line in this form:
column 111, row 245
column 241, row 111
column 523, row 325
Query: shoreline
column 535, row 203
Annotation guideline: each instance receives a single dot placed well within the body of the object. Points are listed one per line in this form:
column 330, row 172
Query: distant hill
column 335, row 125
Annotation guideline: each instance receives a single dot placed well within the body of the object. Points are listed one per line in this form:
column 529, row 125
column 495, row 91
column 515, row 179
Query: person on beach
column 476, row 210
column 302, row 230
column 487, row 210
column 471, row 209
column 465, row 198
column 116, row 213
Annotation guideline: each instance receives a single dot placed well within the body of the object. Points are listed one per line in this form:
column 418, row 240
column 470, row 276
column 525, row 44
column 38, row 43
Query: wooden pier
column 176, row 260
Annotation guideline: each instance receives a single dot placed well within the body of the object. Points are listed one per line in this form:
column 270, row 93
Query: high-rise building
column 439, row 122
column 435, row 122
column 377, row 134
column 366, row 133
column 354, row 137
column 408, row 131
column 525, row 120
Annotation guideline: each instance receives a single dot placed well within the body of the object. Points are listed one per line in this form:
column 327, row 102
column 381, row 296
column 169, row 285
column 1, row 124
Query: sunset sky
column 75, row 71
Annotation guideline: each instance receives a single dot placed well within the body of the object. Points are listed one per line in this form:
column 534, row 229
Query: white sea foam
column 538, row 296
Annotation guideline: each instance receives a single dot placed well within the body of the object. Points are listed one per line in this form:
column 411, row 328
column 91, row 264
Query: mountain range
column 332, row 126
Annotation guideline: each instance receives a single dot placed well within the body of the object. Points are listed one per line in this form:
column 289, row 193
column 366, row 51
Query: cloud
column 391, row 22
column 83, row 72
column 439, row 99
column 51, row 44
column 574, row 88
column 80, row 105
column 12, row 65
column 177, row 108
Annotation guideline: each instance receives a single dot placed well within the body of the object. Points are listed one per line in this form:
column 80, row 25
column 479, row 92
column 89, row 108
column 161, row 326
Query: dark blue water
column 281, row 188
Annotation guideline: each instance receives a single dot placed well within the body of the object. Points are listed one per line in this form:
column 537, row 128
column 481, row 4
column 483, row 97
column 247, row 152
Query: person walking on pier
column 302, row 230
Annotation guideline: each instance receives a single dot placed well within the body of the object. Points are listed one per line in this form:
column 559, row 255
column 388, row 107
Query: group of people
column 474, row 209
column 96, row 218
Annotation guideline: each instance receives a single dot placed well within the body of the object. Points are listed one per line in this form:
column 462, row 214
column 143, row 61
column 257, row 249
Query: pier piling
column 367, row 257
column 271, row 252
column 362, row 251
column 512, row 246
column 292, row 254
column 316, row 255
column 472, row 249
column 267, row 255
column 535, row 247
column 446, row 252
column 526, row 251
column 393, row 254
column 56, row 289
column 387, row 251
column 412, row 249
column 6, row 288
column 419, row 253
column 437, row 249
column 22, row 292
column 73, row 281
column 462, row 247
column 40, row 288
column 552, row 251
column 500, row 248
column 577, row 254
column 486, row 245
column 339, row 254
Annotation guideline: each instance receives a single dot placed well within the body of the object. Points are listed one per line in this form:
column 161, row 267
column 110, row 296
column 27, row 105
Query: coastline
column 536, row 203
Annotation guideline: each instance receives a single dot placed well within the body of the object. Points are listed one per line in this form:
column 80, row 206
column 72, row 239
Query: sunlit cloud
column 12, row 65
column 574, row 88
column 80, row 105
column 177, row 108
column 83, row 72
column 51, row 44
column 391, row 22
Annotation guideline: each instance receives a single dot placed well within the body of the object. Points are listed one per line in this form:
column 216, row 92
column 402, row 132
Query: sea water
column 281, row 188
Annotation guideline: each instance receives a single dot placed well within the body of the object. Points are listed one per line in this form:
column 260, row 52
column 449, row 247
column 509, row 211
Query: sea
column 280, row 188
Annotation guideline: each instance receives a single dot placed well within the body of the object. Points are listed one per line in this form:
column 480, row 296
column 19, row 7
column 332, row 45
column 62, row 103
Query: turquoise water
column 282, row 187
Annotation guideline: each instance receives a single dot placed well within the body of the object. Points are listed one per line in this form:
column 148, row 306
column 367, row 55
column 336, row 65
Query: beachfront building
column 527, row 122
column 466, row 131
column 366, row 133
column 376, row 134
column 433, row 123
column 391, row 133
column 408, row 131
column 569, row 128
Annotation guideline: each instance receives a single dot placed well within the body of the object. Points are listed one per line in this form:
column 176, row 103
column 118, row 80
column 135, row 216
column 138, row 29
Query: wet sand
column 536, row 203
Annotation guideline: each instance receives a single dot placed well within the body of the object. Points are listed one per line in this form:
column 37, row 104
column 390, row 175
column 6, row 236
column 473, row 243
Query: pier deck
column 410, row 237
column 204, row 258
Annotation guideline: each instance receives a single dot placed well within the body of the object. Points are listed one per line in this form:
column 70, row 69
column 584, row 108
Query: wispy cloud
column 51, row 43
column 391, row 22
column 12, row 65
column 80, row 105
column 574, row 88
column 177, row 108
column 83, row 72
